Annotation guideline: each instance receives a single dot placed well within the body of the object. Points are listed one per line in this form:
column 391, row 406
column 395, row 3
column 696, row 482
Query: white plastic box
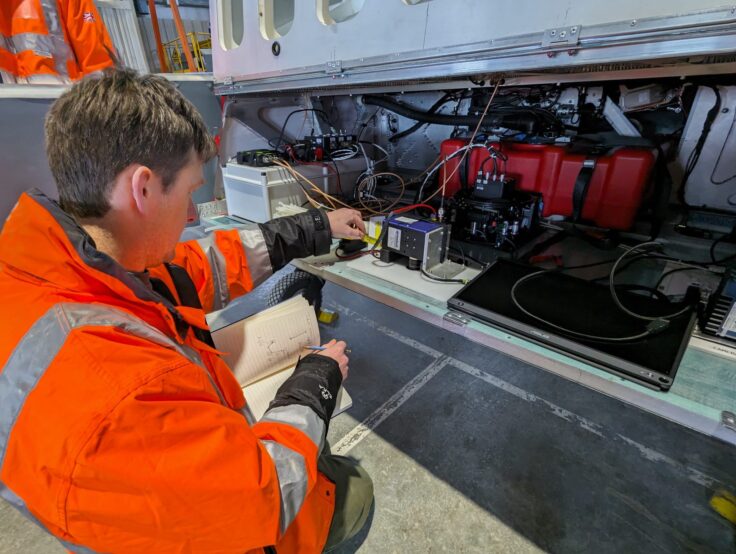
column 253, row 193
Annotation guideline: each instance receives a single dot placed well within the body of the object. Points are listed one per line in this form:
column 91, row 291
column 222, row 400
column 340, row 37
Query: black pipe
column 525, row 122
column 433, row 108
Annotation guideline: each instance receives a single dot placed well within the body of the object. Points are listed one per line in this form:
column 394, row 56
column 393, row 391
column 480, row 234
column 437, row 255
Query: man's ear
column 141, row 187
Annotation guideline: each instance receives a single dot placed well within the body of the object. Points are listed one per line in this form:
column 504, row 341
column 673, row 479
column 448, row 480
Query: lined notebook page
column 259, row 394
column 268, row 341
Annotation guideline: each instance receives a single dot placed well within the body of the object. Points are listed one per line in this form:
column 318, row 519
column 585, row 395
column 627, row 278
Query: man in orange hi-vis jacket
column 60, row 40
column 121, row 427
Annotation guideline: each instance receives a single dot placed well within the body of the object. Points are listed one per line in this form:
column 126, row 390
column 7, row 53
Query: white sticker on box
column 373, row 229
column 404, row 219
column 394, row 238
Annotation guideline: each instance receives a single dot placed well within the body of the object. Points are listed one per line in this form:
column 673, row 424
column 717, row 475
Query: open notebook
column 263, row 350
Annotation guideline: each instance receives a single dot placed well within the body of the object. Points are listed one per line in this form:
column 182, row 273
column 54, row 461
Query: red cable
column 414, row 206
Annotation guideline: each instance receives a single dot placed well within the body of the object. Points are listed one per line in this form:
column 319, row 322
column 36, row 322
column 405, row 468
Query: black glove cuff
column 319, row 219
column 314, row 383
column 322, row 231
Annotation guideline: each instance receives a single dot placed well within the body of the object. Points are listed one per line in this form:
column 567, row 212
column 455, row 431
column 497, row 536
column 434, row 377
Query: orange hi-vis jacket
column 121, row 431
column 62, row 38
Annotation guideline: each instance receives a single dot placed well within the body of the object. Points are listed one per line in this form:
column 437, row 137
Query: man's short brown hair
column 103, row 124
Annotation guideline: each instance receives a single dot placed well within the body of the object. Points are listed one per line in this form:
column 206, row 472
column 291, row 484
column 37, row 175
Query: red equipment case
column 614, row 191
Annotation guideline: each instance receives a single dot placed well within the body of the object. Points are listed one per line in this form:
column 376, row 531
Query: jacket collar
column 42, row 242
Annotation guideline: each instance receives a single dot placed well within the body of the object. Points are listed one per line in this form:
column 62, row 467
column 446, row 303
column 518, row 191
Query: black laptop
column 563, row 308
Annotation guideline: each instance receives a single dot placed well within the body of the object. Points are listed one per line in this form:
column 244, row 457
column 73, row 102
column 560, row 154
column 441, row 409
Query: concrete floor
column 482, row 452
column 473, row 451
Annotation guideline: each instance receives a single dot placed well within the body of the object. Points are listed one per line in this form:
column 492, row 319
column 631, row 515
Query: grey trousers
column 353, row 496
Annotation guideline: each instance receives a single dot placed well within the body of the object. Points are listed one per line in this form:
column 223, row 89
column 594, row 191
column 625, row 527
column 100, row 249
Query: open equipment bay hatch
column 543, row 142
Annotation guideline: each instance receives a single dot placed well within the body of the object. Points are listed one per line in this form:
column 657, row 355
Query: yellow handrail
column 176, row 55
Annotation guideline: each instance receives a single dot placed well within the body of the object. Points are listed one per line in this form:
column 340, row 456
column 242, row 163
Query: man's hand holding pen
column 337, row 351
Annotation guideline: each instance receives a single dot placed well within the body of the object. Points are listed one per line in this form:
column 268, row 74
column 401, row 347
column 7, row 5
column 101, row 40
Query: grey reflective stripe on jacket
column 218, row 267
column 256, row 255
column 15, row 501
column 59, row 48
column 290, row 465
column 256, row 252
column 35, row 353
column 41, row 45
column 39, row 346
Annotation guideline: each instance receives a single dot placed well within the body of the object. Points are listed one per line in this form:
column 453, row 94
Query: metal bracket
column 728, row 419
column 589, row 163
column 562, row 36
column 333, row 67
column 228, row 81
column 455, row 318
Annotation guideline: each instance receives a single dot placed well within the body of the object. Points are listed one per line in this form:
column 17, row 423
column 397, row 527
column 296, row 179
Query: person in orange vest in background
column 122, row 429
column 52, row 41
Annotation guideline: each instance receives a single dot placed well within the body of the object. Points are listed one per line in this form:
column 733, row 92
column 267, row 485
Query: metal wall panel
column 453, row 22
column 122, row 25
column 381, row 27
column 390, row 41
column 23, row 157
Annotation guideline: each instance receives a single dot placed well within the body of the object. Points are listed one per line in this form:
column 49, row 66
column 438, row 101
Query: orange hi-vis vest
column 120, row 431
column 61, row 38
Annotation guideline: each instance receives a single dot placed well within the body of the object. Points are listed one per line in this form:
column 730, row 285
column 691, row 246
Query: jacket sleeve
column 314, row 384
column 87, row 35
column 228, row 264
column 172, row 464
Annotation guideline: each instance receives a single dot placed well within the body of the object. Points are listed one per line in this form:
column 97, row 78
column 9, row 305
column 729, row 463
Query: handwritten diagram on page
column 268, row 341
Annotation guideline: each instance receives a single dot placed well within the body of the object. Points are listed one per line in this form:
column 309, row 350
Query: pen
column 320, row 348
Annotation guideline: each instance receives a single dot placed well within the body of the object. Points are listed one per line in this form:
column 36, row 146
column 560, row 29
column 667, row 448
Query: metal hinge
column 333, row 67
column 227, row 80
column 456, row 318
column 561, row 36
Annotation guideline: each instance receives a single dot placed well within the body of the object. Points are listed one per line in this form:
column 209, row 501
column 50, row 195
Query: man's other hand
column 336, row 350
column 346, row 224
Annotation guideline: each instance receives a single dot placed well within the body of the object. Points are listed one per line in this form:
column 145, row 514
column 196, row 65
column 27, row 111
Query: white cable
column 342, row 154
column 368, row 164
column 565, row 329
column 443, row 162
column 614, row 295
column 382, row 149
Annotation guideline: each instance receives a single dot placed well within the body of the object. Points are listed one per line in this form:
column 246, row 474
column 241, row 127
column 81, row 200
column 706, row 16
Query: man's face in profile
column 172, row 209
